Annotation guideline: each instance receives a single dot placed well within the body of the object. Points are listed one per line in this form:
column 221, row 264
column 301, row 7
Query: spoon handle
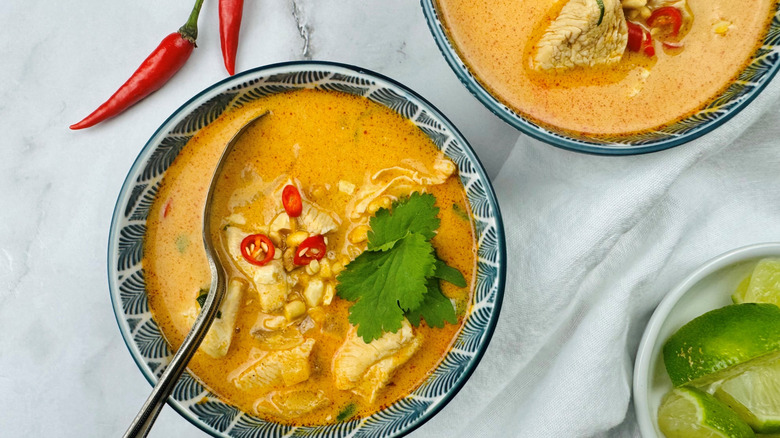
column 151, row 409
column 143, row 422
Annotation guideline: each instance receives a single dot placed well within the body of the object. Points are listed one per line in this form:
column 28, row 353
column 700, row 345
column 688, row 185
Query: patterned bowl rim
column 565, row 141
column 295, row 66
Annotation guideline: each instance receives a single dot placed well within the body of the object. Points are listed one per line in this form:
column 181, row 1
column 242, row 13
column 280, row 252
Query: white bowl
column 707, row 288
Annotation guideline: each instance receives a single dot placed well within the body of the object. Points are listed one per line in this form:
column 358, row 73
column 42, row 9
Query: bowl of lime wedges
column 708, row 364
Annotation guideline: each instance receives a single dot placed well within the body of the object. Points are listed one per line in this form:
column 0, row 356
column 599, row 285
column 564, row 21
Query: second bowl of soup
column 611, row 76
column 362, row 243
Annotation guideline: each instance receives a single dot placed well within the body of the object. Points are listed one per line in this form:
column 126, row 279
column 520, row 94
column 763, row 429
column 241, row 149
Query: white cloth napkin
column 594, row 243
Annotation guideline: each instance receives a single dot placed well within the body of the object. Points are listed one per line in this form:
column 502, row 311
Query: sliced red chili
column 291, row 199
column 649, row 49
column 635, row 36
column 639, row 39
column 669, row 17
column 254, row 246
column 309, row 250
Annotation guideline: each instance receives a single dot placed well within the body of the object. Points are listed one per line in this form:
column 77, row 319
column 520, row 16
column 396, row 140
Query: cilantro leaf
column 386, row 283
column 448, row 273
column 413, row 215
column 435, row 308
column 201, row 299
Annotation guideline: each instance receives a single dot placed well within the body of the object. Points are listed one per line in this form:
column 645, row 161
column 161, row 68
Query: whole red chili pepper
column 230, row 12
column 156, row 70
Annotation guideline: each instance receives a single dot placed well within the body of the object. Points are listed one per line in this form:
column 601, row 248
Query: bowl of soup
column 362, row 242
column 610, row 77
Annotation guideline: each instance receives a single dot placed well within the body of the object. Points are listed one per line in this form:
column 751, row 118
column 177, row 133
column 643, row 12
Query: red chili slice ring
column 255, row 245
column 635, row 36
column 309, row 250
column 291, row 200
column 669, row 17
column 649, row 48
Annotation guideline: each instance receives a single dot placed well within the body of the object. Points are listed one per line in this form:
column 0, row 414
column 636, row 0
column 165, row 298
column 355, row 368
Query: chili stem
column 190, row 28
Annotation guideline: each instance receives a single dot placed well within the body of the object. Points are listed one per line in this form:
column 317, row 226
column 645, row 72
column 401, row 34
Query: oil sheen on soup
column 283, row 347
column 606, row 67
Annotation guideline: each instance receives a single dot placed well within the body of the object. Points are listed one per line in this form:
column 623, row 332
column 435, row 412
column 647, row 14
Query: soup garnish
column 398, row 274
column 291, row 232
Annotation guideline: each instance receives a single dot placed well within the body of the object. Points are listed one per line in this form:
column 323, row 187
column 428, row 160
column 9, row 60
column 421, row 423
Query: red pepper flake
column 167, row 208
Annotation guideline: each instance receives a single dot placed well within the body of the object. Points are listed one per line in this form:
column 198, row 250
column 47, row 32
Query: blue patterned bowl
column 128, row 226
column 760, row 70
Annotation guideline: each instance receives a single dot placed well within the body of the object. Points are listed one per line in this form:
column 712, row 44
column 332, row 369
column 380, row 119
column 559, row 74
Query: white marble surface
column 64, row 370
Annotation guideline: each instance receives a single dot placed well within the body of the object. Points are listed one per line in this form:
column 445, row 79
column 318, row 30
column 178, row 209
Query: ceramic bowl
column 762, row 67
column 707, row 288
column 125, row 250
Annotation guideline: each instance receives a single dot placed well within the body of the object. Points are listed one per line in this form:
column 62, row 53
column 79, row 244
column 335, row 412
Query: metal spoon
column 151, row 409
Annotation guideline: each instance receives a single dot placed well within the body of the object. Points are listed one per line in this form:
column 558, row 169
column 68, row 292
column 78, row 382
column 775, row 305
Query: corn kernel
column 313, row 267
column 325, row 271
column 337, row 268
column 645, row 12
column 296, row 238
column 359, row 234
column 288, row 259
column 294, row 309
column 721, row 27
column 633, row 4
column 346, row 187
column 330, row 292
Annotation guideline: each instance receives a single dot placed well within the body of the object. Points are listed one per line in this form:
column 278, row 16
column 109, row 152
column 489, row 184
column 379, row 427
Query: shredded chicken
column 292, row 404
column 217, row 340
column 366, row 368
column 278, row 368
column 583, row 36
column 316, row 220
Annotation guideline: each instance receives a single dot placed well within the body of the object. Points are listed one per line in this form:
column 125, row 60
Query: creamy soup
column 282, row 346
column 500, row 39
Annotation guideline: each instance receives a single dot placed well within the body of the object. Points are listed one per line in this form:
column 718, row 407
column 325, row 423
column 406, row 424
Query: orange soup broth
column 496, row 39
column 317, row 138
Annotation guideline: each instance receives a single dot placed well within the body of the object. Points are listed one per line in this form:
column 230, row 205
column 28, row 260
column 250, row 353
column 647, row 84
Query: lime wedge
column 755, row 396
column 739, row 295
column 764, row 285
column 690, row 413
column 715, row 345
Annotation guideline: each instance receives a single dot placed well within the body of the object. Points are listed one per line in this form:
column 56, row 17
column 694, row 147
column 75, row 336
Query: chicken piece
column 217, row 341
column 316, row 221
column 366, row 368
column 270, row 281
column 292, row 404
column 278, row 368
column 582, row 36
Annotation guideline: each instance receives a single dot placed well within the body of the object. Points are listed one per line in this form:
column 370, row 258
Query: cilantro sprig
column 398, row 274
